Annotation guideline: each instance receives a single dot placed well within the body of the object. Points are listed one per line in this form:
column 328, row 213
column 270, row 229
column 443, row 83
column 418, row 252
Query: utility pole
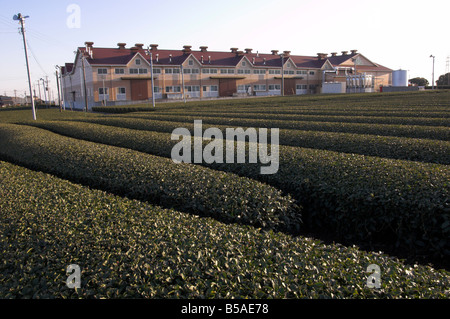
column 151, row 75
column 84, row 81
column 57, row 86
column 19, row 17
column 432, row 56
column 45, row 94
column 282, row 74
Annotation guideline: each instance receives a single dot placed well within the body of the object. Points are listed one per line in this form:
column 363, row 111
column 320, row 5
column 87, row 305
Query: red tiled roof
column 117, row 56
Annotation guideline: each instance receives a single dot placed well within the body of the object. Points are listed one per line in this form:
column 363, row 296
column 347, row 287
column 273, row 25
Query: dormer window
column 243, row 63
column 138, row 61
column 191, row 62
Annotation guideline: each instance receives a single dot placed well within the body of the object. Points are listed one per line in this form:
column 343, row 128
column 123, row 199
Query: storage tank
column 399, row 78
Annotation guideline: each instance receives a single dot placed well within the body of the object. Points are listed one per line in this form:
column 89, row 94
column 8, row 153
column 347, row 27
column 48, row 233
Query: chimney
column 153, row 47
column 353, row 51
column 89, row 44
column 239, row 53
column 321, row 56
column 274, row 52
column 248, row 51
column 187, row 49
column 121, row 45
column 134, row 49
column 333, row 53
column 234, row 50
column 344, row 52
column 287, row 53
column 203, row 49
column 140, row 46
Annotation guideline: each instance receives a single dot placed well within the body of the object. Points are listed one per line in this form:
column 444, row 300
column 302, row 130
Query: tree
column 444, row 79
column 419, row 81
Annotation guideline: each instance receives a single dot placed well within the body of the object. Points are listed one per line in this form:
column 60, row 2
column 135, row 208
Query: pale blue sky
column 395, row 33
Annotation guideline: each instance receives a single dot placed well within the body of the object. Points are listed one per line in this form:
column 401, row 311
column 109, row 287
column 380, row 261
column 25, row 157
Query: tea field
column 363, row 179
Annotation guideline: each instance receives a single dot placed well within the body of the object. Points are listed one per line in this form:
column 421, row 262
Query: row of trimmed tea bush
column 353, row 197
column 131, row 249
column 423, row 121
column 426, row 150
column 414, row 131
column 126, row 172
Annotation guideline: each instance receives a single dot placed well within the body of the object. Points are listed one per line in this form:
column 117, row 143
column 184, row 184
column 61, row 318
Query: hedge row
column 414, row 131
column 354, row 197
column 426, row 150
column 130, row 249
column 424, row 121
column 189, row 188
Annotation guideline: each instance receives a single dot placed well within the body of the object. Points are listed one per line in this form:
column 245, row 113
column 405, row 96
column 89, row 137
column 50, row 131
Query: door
column 139, row 90
column 289, row 87
column 227, row 87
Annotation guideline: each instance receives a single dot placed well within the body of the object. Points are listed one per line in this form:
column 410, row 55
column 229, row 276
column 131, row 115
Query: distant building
column 6, row 101
column 121, row 75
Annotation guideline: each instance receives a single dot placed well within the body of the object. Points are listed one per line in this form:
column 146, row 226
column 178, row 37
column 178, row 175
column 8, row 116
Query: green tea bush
column 354, row 197
column 416, row 149
column 190, row 188
column 131, row 249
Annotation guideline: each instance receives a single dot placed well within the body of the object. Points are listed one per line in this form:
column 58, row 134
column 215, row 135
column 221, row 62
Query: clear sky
column 399, row 34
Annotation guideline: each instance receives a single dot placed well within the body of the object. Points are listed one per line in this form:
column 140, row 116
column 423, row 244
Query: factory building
column 121, row 75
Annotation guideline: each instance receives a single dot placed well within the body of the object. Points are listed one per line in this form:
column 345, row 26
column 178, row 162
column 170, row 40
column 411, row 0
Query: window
column 102, row 91
column 102, row 71
column 259, row 71
column 214, row 88
column 240, row 71
column 195, row 71
column 209, row 71
column 274, row 87
column 259, row 87
column 192, row 88
column 301, row 86
column 157, row 71
column 138, row 61
column 187, row 71
column 173, row 89
column 301, row 72
column 244, row 63
column 121, row 91
column 134, row 71
column 274, row 71
column 290, row 72
column 143, row 71
column 168, row 71
column 120, row 71
column 176, row 71
column 191, row 62
column 311, row 72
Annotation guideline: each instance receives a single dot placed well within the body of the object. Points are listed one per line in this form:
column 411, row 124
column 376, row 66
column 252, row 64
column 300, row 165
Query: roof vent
column 187, row 49
column 203, row 48
column 153, row 47
column 234, row 50
column 321, row 56
column 344, row 52
column 287, row 53
column 239, row 53
column 353, row 51
column 274, row 52
column 121, row 45
column 333, row 53
column 139, row 45
column 248, row 51
column 170, row 58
